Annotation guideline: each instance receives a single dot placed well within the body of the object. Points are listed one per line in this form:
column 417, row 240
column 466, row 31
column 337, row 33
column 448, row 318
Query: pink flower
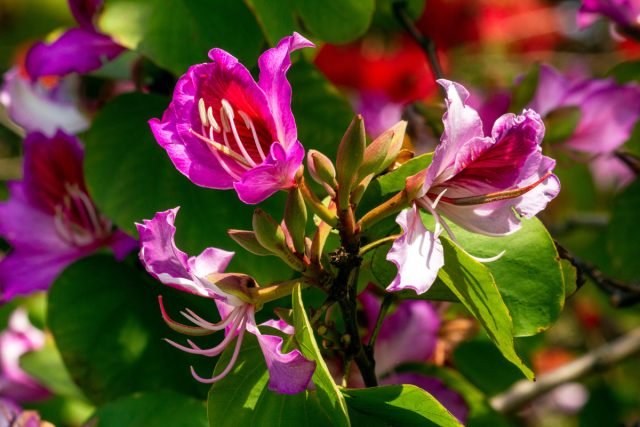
column 625, row 13
column 19, row 338
column 49, row 219
column 203, row 275
column 482, row 183
column 223, row 130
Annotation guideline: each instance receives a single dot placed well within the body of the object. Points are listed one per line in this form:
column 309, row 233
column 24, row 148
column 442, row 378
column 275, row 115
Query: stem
column 601, row 358
column 390, row 207
column 318, row 314
column 316, row 205
column 427, row 45
column 384, row 308
column 373, row 245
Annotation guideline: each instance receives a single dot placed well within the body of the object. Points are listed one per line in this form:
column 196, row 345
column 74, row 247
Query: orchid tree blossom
column 482, row 183
column 625, row 13
column 223, row 130
column 78, row 50
column 203, row 275
column 43, row 105
column 49, row 219
column 19, row 338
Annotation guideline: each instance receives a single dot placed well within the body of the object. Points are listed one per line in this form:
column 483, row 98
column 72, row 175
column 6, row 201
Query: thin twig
column 599, row 359
column 366, row 248
column 384, row 308
column 427, row 45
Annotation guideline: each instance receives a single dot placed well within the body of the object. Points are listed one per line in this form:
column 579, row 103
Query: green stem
column 316, row 205
column 373, row 245
column 390, row 207
column 384, row 308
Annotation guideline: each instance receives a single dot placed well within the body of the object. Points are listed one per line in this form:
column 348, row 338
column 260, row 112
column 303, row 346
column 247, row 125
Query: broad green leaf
column 560, row 124
column 475, row 287
column 47, row 367
column 322, row 113
column 395, row 180
column 327, row 390
column 336, row 21
column 397, row 405
column 176, row 34
column 242, row 397
column 384, row 16
column 130, row 178
column 480, row 412
column 525, row 90
column 528, row 275
column 625, row 72
column 481, row 363
column 161, row 408
column 623, row 233
column 570, row 278
column 107, row 325
column 277, row 18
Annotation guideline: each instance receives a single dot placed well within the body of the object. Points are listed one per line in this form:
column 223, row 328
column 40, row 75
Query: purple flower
column 49, row 218
column 223, row 130
column 19, row 338
column 36, row 106
column 482, row 183
column 11, row 415
column 203, row 275
column 625, row 13
column 408, row 335
column 77, row 50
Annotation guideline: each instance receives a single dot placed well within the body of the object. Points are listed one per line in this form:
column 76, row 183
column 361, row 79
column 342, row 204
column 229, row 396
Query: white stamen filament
column 437, row 200
column 203, row 112
column 232, row 362
column 197, row 320
column 212, row 121
column 227, row 109
column 249, row 124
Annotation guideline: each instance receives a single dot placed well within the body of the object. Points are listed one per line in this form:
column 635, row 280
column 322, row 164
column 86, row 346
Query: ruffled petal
column 35, row 107
column 289, row 373
column 418, row 254
column 274, row 64
column 276, row 173
column 76, row 51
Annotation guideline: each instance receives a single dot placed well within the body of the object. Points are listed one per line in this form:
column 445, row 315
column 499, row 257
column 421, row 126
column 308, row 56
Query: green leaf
column 623, row 233
column 525, row 90
column 322, row 113
column 570, row 278
column 384, row 16
column 162, row 408
column 242, row 398
column 336, row 21
column 107, row 325
column 326, row 388
column 528, row 275
column 625, row 72
column 475, row 287
column 176, row 34
column 397, row 405
column 394, row 181
column 277, row 18
column 561, row 123
column 130, row 178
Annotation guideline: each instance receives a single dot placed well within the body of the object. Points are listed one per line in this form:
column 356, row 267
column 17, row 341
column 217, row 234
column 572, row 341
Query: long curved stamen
column 493, row 197
column 180, row 327
column 212, row 121
column 100, row 227
column 193, row 317
column 229, row 366
column 221, row 148
column 202, row 110
column 249, row 124
column 228, row 111
column 437, row 200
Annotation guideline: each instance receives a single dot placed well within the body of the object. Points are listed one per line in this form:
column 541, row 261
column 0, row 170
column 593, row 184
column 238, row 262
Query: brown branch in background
column 632, row 161
column 427, row 45
column 599, row 359
column 621, row 294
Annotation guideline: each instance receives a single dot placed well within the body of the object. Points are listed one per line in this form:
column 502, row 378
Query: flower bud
column 295, row 218
column 248, row 240
column 414, row 185
column 383, row 150
column 271, row 236
column 321, row 169
column 349, row 160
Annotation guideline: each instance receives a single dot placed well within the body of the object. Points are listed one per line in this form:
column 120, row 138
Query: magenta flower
column 77, row 50
column 36, row 106
column 19, row 338
column 625, row 13
column 203, row 275
column 223, row 130
column 49, row 218
column 482, row 183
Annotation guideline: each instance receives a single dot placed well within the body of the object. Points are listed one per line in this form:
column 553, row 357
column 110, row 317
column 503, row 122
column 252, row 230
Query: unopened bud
column 321, row 169
column 271, row 236
column 381, row 153
column 295, row 217
column 349, row 159
column 414, row 185
column 248, row 240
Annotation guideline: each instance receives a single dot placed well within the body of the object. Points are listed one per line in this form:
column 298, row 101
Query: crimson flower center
column 77, row 219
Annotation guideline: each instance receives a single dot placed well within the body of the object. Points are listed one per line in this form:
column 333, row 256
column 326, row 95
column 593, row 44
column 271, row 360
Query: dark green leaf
column 625, row 72
column 162, row 408
column 276, row 18
column 561, row 123
column 176, row 34
column 336, row 21
column 397, row 405
column 623, row 233
column 525, row 90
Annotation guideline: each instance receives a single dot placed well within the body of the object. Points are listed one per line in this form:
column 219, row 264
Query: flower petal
column 122, row 244
column 35, row 107
column 85, row 12
column 76, row 51
column 274, row 64
column 418, row 254
column 289, row 373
